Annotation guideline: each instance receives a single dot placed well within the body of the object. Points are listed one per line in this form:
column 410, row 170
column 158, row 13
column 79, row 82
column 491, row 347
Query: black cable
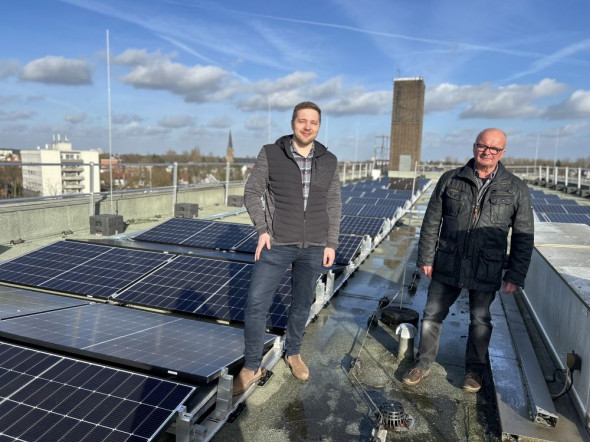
column 569, row 375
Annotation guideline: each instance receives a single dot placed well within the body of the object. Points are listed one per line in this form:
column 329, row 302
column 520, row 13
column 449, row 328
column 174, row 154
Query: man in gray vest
column 463, row 245
column 293, row 199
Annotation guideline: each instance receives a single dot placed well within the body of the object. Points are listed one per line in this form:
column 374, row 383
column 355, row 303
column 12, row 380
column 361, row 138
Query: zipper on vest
column 304, row 227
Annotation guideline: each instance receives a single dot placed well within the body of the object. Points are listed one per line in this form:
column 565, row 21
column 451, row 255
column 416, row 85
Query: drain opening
column 393, row 417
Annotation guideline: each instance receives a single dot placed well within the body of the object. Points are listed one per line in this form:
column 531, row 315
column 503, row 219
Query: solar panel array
column 49, row 397
column 16, row 302
column 81, row 268
column 374, row 200
column 207, row 287
column 164, row 344
column 551, row 208
column 46, row 397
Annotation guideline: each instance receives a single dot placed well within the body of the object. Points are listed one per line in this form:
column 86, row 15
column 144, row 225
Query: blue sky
column 185, row 72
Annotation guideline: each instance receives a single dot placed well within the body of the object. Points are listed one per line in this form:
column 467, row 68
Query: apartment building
column 59, row 170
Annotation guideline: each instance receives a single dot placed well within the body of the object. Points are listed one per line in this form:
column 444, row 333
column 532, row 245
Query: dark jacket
column 468, row 250
column 274, row 197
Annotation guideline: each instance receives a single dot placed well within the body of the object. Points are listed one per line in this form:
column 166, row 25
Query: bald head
column 494, row 133
column 488, row 149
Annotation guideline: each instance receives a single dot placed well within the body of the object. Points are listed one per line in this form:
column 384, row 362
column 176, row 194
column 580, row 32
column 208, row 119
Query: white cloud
column 576, row 106
column 358, row 101
column 489, row 101
column 57, row 70
column 155, row 71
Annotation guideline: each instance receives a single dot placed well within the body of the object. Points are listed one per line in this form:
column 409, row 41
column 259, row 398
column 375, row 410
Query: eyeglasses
column 493, row 150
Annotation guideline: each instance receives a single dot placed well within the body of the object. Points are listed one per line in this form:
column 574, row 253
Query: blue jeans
column 266, row 276
column 440, row 298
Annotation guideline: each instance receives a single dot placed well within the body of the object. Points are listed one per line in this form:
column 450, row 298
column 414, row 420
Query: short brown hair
column 306, row 105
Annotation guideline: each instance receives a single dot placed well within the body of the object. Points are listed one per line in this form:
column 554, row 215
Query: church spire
column 230, row 150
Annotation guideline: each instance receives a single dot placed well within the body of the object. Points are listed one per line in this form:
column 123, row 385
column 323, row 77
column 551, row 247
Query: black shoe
column 472, row 382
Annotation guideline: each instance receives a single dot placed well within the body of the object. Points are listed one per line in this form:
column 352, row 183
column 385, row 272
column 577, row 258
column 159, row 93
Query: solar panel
column 198, row 233
column 568, row 218
column 348, row 246
column 248, row 245
column 351, row 192
column 352, row 209
column 379, row 211
column 360, row 225
column 548, row 208
column 207, row 287
column 577, row 209
column 173, row 231
column 364, row 201
column 220, row 235
column 81, row 268
column 18, row 302
column 49, row 398
column 163, row 344
column 564, row 202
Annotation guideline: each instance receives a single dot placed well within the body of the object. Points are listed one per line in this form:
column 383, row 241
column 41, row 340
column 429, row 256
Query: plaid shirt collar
column 297, row 154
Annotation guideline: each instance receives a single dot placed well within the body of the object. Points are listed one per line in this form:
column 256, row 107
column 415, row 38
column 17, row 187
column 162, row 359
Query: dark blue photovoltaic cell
column 548, row 208
column 348, row 247
column 205, row 287
column 81, row 268
column 46, row 397
column 194, row 350
column 358, row 225
column 248, row 245
column 577, row 209
column 568, row 218
column 352, row 209
column 220, row 235
column 198, row 233
column 380, row 211
column 43, row 264
column 365, row 201
column 173, row 231
column 19, row 302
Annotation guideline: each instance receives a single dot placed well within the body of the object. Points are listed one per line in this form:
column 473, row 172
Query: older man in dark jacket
column 293, row 198
column 463, row 245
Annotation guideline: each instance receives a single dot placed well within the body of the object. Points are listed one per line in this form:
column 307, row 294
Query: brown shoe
column 472, row 383
column 298, row 367
column 246, row 378
column 414, row 376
